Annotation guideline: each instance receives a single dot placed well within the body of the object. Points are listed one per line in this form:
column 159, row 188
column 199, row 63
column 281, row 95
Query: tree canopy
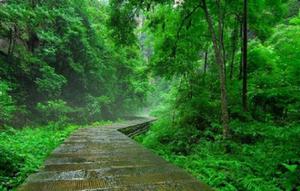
column 67, row 54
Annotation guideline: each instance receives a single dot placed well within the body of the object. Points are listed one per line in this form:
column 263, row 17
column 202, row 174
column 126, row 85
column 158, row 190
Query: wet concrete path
column 104, row 159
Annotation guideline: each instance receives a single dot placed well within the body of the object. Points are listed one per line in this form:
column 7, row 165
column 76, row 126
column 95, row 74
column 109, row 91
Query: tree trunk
column 11, row 36
column 234, row 46
column 205, row 62
column 12, row 41
column 220, row 61
column 221, row 35
column 245, row 51
column 241, row 59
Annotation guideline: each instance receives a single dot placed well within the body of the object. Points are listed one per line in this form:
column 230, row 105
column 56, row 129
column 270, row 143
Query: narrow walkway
column 104, row 159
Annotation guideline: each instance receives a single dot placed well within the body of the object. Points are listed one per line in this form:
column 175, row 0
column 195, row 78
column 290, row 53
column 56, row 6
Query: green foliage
column 55, row 110
column 22, row 152
column 274, row 74
column 261, row 58
column 122, row 22
column 95, row 105
column 286, row 43
column 171, row 39
column 68, row 50
column 84, row 60
column 6, row 103
column 261, row 156
column 50, row 82
column 263, row 151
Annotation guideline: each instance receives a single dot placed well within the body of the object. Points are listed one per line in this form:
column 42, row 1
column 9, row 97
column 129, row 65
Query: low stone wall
column 134, row 130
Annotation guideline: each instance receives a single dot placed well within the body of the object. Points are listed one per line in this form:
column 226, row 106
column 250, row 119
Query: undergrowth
column 260, row 156
column 22, row 152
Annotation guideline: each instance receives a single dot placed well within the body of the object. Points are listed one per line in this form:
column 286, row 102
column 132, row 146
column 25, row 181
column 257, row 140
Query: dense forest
column 221, row 76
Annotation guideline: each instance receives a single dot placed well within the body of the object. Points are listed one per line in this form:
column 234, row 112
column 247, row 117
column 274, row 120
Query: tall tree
column 217, row 37
column 234, row 42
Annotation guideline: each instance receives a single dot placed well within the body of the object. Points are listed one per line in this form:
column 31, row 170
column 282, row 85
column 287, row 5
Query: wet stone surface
column 104, row 159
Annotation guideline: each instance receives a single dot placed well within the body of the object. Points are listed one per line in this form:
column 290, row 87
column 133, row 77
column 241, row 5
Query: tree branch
column 181, row 26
